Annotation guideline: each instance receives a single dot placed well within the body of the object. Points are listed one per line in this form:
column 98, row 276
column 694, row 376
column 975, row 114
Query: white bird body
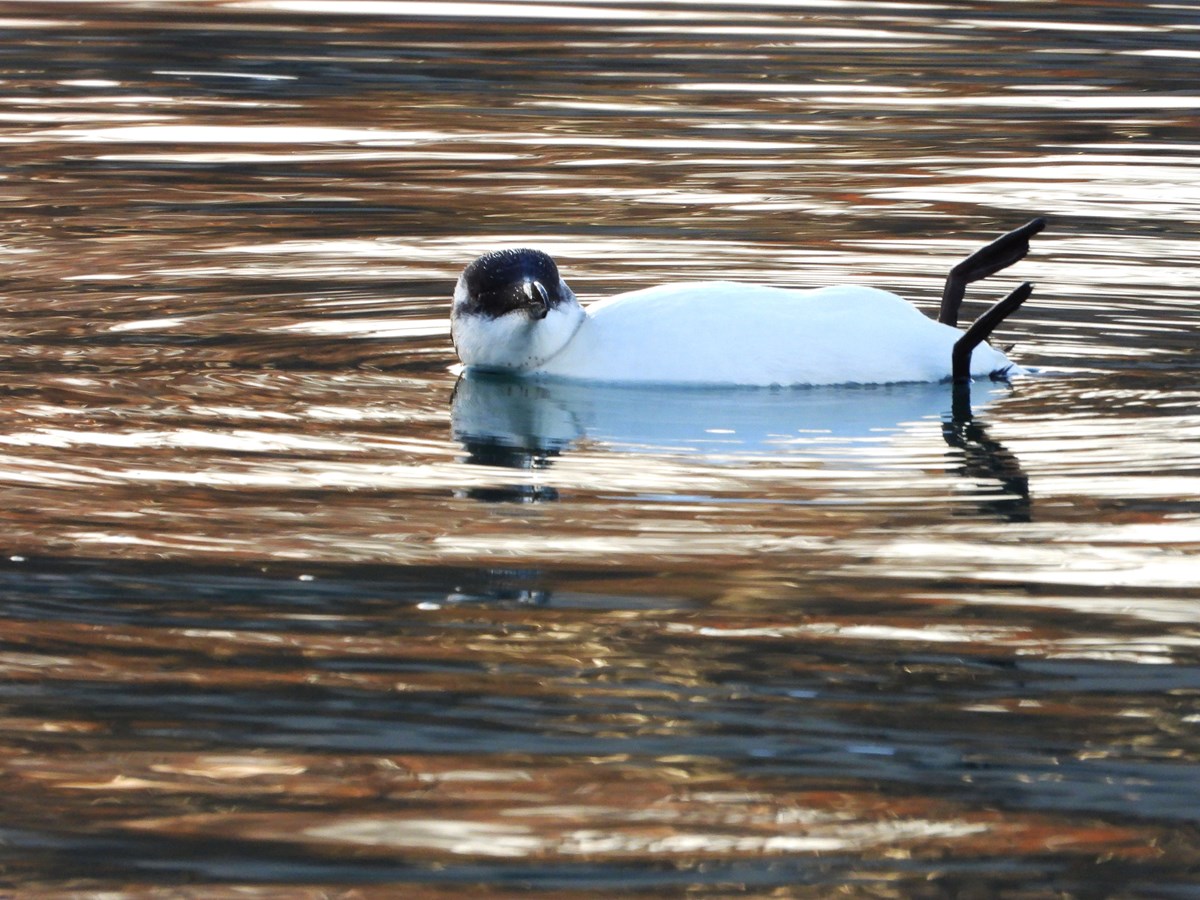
column 725, row 333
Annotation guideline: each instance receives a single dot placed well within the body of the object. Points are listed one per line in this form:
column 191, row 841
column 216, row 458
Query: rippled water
column 286, row 611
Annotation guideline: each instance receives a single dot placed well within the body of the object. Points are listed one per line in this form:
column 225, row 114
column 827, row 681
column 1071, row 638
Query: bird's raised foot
column 981, row 329
column 999, row 254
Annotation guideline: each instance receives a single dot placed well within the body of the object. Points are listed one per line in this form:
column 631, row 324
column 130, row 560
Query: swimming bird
column 513, row 312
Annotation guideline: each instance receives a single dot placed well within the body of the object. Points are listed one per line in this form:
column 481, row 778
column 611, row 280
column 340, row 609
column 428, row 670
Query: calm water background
column 283, row 615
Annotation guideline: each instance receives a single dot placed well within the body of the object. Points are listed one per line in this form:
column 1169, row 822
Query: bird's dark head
column 512, row 311
column 506, row 281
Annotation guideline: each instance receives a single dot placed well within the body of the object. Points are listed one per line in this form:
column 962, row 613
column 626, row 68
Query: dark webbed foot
column 999, row 254
column 982, row 328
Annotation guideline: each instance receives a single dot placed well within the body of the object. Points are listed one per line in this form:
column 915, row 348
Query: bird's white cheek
column 513, row 342
column 482, row 341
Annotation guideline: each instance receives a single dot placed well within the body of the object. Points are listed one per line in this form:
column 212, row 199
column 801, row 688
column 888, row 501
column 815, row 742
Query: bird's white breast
column 730, row 333
column 515, row 342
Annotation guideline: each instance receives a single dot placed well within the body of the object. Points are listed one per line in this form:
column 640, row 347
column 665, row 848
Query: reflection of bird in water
column 513, row 493
column 516, row 587
column 514, row 313
column 503, row 430
column 517, row 423
column 986, row 460
column 494, row 453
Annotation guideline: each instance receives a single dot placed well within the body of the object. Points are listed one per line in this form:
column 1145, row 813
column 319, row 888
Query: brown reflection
column 687, row 810
column 257, row 722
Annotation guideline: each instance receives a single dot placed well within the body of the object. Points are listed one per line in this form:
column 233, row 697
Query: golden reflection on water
column 688, row 811
column 278, row 612
column 607, row 807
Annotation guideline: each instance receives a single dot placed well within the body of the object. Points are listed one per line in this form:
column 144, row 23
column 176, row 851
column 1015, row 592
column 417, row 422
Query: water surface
column 287, row 609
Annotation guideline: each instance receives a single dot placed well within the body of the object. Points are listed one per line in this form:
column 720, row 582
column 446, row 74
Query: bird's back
column 731, row 333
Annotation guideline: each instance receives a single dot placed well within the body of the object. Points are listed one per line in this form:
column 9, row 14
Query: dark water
column 282, row 618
